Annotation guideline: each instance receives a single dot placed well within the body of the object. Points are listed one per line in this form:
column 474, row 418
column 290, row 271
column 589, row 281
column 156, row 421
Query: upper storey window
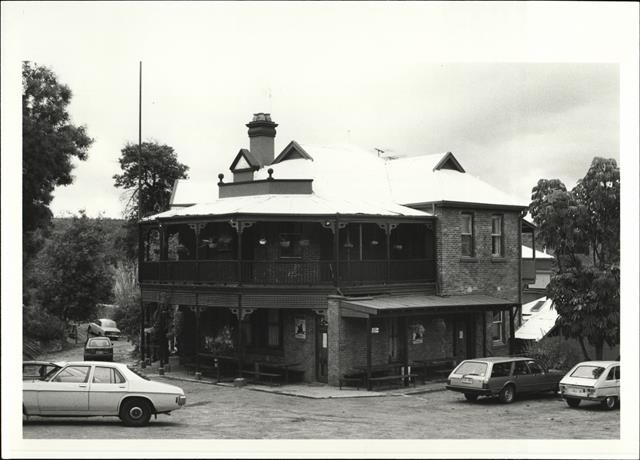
column 467, row 236
column 496, row 236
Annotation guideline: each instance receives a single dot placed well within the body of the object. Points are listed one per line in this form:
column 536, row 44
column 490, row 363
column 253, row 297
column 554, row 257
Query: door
column 66, row 393
column 107, row 388
column 394, row 340
column 322, row 347
column 522, row 377
column 539, row 380
column 464, row 338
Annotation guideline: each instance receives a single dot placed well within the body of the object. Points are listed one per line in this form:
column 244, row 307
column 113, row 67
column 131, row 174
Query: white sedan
column 104, row 327
column 89, row 388
column 592, row 381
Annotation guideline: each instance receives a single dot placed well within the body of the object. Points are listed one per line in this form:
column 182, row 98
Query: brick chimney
column 262, row 132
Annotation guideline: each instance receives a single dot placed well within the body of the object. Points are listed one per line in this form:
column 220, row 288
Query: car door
column 537, row 377
column 521, row 377
column 610, row 386
column 107, row 388
column 67, row 393
column 500, row 375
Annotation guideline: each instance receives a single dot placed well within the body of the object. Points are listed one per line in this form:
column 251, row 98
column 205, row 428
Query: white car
column 105, row 327
column 90, row 388
column 592, row 381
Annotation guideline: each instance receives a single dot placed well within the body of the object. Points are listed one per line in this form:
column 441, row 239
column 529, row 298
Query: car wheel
column 609, row 402
column 573, row 402
column 471, row 396
column 135, row 412
column 507, row 394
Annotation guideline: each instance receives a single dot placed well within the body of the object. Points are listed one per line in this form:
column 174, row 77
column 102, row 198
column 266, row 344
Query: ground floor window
column 263, row 329
column 497, row 327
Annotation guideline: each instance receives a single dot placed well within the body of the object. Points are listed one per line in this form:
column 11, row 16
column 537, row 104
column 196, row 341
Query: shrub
column 39, row 324
column 555, row 352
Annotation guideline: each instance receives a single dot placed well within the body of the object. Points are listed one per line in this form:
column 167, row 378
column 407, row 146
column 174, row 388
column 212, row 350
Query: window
column 497, row 327
column 107, row 375
column 73, row 374
column 496, row 236
column 263, row 329
column 535, row 367
column 587, row 372
column 614, row 373
column 520, row 368
column 273, row 328
column 501, row 370
column 466, row 233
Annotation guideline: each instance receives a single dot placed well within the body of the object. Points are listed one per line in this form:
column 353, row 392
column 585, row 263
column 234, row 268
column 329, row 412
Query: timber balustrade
column 289, row 272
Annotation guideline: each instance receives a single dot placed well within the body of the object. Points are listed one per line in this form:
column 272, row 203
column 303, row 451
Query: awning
column 422, row 304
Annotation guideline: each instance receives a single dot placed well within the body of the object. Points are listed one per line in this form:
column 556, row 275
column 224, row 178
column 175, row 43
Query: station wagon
column 504, row 377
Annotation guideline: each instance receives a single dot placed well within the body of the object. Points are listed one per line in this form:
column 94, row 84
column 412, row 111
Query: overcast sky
column 375, row 77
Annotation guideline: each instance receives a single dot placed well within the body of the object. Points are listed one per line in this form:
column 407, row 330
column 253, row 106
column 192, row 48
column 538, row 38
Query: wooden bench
column 357, row 378
column 401, row 377
column 259, row 374
column 439, row 367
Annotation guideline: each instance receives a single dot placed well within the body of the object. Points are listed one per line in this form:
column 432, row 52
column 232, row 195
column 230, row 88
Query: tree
column 160, row 169
column 49, row 143
column 585, row 290
column 72, row 270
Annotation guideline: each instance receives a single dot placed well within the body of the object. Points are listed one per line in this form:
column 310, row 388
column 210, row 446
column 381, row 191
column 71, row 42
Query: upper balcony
column 286, row 253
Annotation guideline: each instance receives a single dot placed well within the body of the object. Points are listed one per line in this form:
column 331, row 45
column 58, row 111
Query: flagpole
column 142, row 344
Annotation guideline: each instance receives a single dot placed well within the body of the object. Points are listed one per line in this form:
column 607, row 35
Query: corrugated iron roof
column 291, row 204
column 424, row 301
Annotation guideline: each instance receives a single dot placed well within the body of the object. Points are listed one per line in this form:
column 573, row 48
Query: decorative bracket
column 242, row 313
column 429, row 225
column 197, row 228
column 387, row 227
column 240, row 226
column 320, row 311
column 330, row 225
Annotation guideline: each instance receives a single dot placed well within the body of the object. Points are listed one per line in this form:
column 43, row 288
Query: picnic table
column 272, row 370
column 213, row 361
column 387, row 372
column 435, row 367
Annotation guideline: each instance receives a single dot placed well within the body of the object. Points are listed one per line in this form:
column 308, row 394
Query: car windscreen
column 98, row 343
column 107, row 323
column 472, row 368
column 587, row 372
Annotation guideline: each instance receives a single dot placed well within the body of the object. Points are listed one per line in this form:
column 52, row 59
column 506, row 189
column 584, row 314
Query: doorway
column 322, row 349
column 464, row 340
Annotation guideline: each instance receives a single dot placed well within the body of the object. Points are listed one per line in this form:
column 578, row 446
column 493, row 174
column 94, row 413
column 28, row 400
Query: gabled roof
column 348, row 173
column 246, row 160
column 291, row 152
column 449, row 162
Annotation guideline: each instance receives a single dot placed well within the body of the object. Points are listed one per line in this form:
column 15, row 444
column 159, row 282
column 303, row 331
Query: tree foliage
column 160, row 169
column 49, row 143
column 72, row 272
column 585, row 290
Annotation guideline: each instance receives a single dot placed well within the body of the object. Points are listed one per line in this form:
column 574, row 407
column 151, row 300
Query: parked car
column 98, row 349
column 100, row 389
column 592, row 381
column 104, row 327
column 504, row 377
column 37, row 370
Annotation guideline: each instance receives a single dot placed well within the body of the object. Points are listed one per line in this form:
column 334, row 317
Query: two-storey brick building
column 322, row 260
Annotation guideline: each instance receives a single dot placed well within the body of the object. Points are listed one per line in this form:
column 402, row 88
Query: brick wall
column 481, row 274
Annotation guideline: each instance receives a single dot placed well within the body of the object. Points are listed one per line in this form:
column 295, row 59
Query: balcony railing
column 289, row 272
